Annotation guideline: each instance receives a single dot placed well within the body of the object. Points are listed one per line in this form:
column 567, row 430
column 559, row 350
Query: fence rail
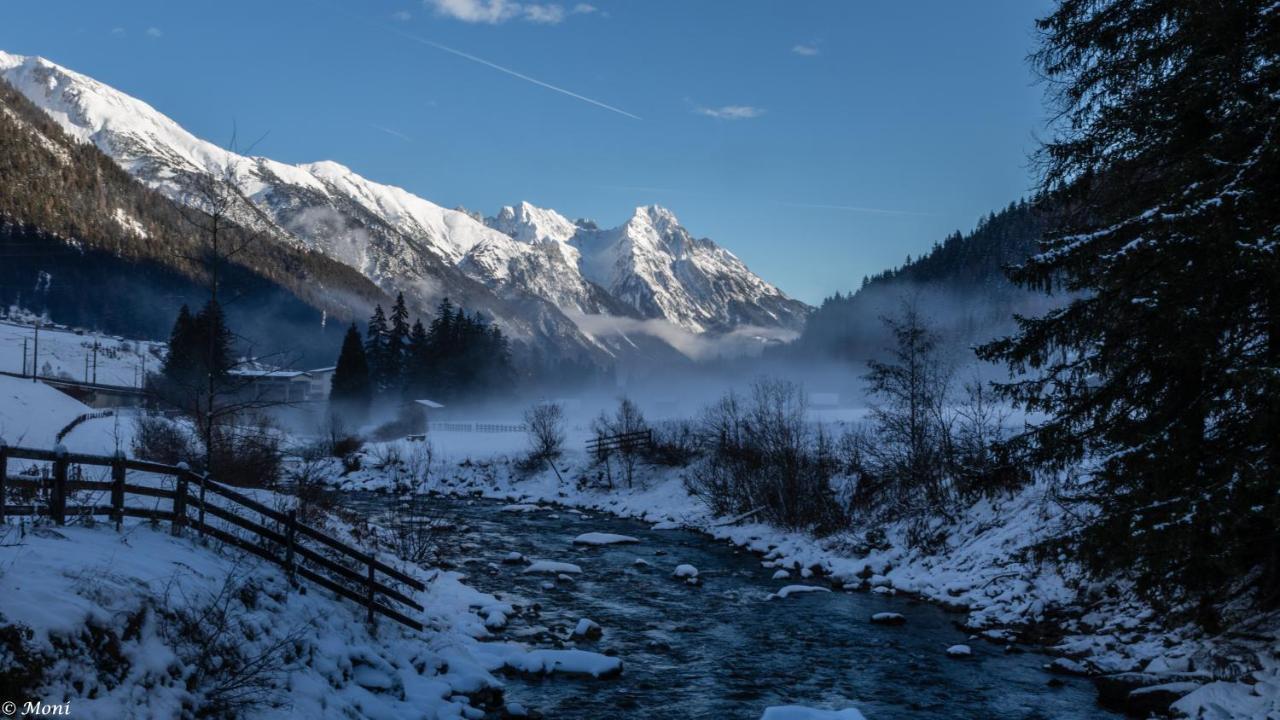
column 602, row 446
column 282, row 545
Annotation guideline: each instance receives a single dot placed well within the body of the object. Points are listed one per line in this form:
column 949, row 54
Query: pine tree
column 417, row 367
column 180, row 363
column 212, row 342
column 375, row 350
column 397, row 345
column 351, row 389
column 1165, row 364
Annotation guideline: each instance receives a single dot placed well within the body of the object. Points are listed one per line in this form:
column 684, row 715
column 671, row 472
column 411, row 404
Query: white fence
column 478, row 427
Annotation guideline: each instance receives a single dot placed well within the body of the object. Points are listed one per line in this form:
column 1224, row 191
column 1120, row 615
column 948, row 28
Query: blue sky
column 820, row 141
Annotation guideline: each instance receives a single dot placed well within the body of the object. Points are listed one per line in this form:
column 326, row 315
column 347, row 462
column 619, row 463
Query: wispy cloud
column 401, row 15
column 731, row 112
column 492, row 12
column 512, row 73
column 806, row 49
column 392, row 133
column 117, row 31
column 154, row 32
column 854, row 209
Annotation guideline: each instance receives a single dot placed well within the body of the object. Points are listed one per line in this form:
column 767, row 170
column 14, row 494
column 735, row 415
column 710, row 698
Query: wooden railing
column 191, row 504
column 603, row 446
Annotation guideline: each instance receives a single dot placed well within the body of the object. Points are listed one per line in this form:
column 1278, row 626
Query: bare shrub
column 230, row 669
column 248, row 454
column 675, row 443
column 339, row 440
column 419, row 531
column 763, row 457
column 626, row 419
column 162, row 440
column 546, row 430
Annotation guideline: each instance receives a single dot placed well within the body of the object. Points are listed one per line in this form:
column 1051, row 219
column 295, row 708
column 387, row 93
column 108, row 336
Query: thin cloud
column 392, row 133
column 493, row 12
column 154, row 32
column 854, row 209
column 806, row 49
column 117, row 31
column 512, row 73
column 402, row 15
column 731, row 112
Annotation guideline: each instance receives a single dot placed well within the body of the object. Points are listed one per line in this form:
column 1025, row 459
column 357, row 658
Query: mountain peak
column 658, row 217
column 528, row 223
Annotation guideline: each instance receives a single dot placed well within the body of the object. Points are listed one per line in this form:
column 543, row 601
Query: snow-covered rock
column 588, row 630
column 553, row 567
column 567, row 662
column 799, row 712
column 790, row 590
column 599, row 538
column 889, row 618
column 781, row 574
column 959, row 651
column 685, row 571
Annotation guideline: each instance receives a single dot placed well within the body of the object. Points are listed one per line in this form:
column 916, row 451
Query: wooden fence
column 294, row 545
column 603, row 446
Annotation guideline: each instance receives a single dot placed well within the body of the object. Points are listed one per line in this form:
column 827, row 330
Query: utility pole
column 24, row 357
column 35, row 355
column 95, row 358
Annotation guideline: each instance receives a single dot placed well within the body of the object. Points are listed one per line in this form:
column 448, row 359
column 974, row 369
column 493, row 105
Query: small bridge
column 99, row 395
column 275, row 536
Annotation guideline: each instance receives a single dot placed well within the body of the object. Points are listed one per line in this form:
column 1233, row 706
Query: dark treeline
column 455, row 357
column 964, row 276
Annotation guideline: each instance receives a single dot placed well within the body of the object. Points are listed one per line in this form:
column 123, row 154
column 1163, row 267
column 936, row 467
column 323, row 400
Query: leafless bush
column 762, row 457
column 248, row 454
column 418, row 530
column 626, row 419
column 230, row 668
column 546, row 430
column 162, row 440
column 339, row 440
column 675, row 443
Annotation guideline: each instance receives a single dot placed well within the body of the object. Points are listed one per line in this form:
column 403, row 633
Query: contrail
column 393, row 133
column 854, row 208
column 509, row 71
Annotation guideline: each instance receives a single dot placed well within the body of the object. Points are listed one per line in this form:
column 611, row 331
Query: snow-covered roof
column 429, row 403
column 267, row 373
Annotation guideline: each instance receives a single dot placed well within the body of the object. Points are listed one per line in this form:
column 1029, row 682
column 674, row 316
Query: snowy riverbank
column 988, row 571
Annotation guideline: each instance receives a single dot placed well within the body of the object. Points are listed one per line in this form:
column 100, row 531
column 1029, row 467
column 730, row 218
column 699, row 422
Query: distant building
column 273, row 385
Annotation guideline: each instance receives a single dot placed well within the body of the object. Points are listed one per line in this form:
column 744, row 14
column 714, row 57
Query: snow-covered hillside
column 648, row 268
column 66, row 353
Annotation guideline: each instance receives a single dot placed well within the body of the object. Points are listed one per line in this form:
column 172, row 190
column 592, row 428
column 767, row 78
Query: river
column 720, row 649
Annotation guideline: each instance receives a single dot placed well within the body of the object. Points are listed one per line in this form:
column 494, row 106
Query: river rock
column 889, row 618
column 1156, row 699
column 588, row 630
column 1067, row 666
column 1114, row 689
column 782, row 575
column 513, row 558
column 685, row 571
column 959, row 651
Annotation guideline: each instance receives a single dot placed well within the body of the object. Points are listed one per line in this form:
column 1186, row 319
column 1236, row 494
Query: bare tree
column 545, row 423
column 625, row 420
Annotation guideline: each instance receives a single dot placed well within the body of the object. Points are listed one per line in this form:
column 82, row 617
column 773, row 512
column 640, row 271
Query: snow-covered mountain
column 532, row 269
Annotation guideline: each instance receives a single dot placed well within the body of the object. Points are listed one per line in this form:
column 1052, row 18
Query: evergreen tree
column 209, row 344
column 375, row 350
column 1165, row 366
column 417, row 367
column 397, row 345
column 351, row 388
column 180, row 364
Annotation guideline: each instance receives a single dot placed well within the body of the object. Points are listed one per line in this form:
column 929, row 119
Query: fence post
column 4, row 471
column 117, row 490
column 204, row 477
column 58, row 505
column 369, row 599
column 291, row 521
column 180, row 500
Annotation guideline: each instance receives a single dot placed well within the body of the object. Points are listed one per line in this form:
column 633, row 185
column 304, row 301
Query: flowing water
column 720, row 649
